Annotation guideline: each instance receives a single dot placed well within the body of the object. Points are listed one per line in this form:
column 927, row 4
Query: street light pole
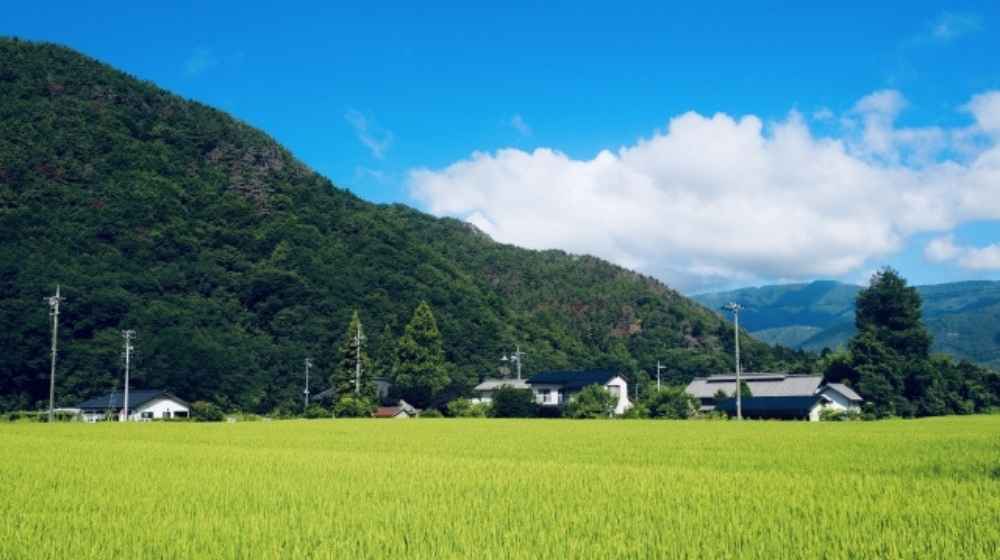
column 128, row 334
column 658, row 369
column 515, row 356
column 735, row 308
column 54, row 302
column 305, row 391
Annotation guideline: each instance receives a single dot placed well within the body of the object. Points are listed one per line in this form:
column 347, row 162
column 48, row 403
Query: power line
column 735, row 308
column 53, row 302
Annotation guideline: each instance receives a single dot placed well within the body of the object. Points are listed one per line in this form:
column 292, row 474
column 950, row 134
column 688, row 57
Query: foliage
column 420, row 367
column 314, row 411
column 350, row 406
column 203, row 411
column 233, row 260
column 593, row 401
column 904, row 490
column 346, row 379
column 833, row 415
column 889, row 362
column 671, row 403
column 464, row 408
column 509, row 402
column 430, row 413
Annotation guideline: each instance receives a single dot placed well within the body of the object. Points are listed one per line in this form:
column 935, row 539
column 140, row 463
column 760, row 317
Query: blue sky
column 393, row 101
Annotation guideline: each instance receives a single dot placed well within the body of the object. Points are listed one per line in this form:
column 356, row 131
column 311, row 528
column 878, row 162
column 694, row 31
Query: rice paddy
column 502, row 489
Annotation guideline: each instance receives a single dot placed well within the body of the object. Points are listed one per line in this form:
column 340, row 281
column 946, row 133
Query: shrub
column 204, row 411
column 834, row 415
column 464, row 408
column 671, row 403
column 593, row 401
column 316, row 411
column 431, row 413
column 509, row 402
column 353, row 407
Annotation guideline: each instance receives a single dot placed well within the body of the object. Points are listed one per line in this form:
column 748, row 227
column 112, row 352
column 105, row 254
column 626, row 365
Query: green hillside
column 234, row 261
column 963, row 317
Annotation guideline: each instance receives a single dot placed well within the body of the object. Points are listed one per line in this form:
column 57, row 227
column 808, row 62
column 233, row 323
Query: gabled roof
column 573, row 379
column 848, row 393
column 136, row 398
column 761, row 385
column 771, row 407
column 494, row 384
column 389, row 411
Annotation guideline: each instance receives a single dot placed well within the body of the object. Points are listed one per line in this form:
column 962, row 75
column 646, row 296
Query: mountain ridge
column 234, row 261
column 964, row 316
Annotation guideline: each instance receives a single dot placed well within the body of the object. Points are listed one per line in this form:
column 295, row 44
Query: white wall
column 623, row 403
column 553, row 399
column 840, row 402
column 159, row 407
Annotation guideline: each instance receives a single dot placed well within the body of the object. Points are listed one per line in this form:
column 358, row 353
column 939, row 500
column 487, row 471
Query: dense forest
column 233, row 261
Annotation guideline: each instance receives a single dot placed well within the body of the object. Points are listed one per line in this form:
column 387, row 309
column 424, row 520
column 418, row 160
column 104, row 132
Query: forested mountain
column 233, row 261
column 963, row 317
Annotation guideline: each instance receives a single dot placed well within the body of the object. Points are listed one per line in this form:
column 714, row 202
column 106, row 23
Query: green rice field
column 502, row 489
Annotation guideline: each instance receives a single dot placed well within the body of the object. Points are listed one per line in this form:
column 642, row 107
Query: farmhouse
column 484, row 391
column 556, row 388
column 776, row 395
column 142, row 405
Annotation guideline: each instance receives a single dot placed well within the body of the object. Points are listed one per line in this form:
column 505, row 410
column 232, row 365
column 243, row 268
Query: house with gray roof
column 484, row 391
column 556, row 388
column 776, row 395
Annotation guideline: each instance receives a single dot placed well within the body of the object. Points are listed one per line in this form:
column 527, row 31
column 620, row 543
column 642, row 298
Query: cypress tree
column 420, row 366
column 343, row 378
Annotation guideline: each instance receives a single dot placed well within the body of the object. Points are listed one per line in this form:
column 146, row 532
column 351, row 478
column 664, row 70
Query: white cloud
column 944, row 249
column 715, row 199
column 377, row 139
column 823, row 114
column 985, row 107
column 200, row 61
column 950, row 26
column 519, row 124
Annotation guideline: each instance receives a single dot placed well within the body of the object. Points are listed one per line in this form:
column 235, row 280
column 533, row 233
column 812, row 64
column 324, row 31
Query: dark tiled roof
column 116, row 400
column 771, row 407
column 573, row 379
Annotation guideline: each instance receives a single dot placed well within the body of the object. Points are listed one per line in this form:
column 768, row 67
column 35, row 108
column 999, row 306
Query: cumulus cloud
column 716, row 199
column 944, row 249
column 375, row 138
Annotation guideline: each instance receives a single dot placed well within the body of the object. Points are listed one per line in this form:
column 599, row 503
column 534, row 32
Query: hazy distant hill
column 964, row 317
column 234, row 261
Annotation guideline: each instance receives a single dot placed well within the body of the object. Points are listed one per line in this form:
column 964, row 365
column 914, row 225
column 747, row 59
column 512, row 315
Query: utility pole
column 358, row 339
column 735, row 308
column 659, row 368
column 515, row 356
column 305, row 391
column 53, row 302
column 129, row 335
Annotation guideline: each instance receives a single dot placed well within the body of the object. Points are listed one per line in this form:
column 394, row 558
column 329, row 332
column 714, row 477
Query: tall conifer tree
column 344, row 376
column 420, row 366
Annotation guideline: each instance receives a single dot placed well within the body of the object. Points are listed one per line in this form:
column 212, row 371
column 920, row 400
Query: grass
column 502, row 489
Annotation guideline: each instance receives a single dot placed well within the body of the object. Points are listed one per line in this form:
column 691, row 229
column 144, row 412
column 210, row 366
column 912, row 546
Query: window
column 181, row 414
column 166, row 414
column 147, row 415
column 544, row 394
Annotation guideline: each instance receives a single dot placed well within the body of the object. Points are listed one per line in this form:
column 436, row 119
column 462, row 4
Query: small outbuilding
column 143, row 405
column 401, row 410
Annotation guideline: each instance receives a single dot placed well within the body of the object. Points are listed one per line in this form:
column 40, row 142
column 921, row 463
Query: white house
column 143, row 405
column 841, row 397
column 556, row 388
column 484, row 391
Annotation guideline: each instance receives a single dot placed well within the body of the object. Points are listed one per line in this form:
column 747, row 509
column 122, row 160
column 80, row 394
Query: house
column 776, row 395
column 761, row 385
column 777, row 408
column 401, row 410
column 841, row 397
column 382, row 386
column 142, row 405
column 556, row 388
column 484, row 391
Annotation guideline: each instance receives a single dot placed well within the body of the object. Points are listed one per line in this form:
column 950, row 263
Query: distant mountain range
column 964, row 317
